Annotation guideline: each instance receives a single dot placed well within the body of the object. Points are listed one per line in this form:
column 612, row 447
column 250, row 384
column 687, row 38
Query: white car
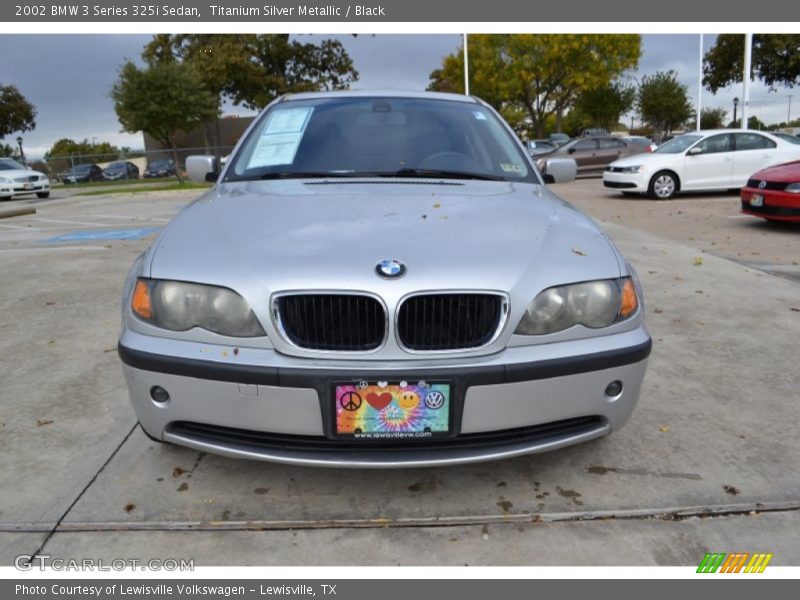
column 16, row 180
column 704, row 160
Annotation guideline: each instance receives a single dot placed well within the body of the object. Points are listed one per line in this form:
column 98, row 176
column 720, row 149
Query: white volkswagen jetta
column 703, row 160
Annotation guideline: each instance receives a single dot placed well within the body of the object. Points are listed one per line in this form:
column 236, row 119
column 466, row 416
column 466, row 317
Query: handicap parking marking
column 104, row 235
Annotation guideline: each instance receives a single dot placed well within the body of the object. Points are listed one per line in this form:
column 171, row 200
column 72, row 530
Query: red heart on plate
column 379, row 401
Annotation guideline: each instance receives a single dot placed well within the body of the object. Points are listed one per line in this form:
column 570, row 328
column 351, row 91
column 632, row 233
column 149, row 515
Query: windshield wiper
column 441, row 174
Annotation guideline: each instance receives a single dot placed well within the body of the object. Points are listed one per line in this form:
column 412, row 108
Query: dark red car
column 774, row 193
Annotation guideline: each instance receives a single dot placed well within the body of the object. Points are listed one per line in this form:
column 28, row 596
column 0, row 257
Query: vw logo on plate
column 390, row 268
column 762, row 185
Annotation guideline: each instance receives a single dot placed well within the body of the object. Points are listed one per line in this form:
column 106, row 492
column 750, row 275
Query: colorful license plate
column 756, row 200
column 396, row 410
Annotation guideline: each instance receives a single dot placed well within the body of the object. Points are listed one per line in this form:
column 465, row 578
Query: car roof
column 382, row 94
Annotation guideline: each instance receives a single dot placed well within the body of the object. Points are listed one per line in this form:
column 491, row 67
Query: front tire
column 42, row 194
column 663, row 185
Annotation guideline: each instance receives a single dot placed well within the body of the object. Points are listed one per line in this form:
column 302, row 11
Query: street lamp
column 735, row 106
column 21, row 153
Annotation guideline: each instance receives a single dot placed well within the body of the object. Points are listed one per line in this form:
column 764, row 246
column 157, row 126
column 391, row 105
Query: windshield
column 380, row 137
column 678, row 144
column 786, row 137
column 81, row 168
column 159, row 164
column 116, row 167
column 10, row 165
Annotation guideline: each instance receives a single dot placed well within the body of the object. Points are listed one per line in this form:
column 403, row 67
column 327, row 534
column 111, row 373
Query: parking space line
column 21, row 227
column 131, row 218
column 64, row 221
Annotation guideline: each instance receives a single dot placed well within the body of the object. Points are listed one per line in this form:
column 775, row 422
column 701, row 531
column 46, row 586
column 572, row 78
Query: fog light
column 159, row 394
column 614, row 389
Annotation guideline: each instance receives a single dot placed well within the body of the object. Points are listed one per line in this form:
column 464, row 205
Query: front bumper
column 264, row 405
column 9, row 190
column 626, row 182
column 776, row 205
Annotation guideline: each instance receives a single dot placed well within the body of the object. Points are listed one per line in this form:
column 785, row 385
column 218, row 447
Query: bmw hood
column 262, row 237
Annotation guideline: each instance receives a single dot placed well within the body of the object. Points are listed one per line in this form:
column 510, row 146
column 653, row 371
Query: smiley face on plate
column 408, row 400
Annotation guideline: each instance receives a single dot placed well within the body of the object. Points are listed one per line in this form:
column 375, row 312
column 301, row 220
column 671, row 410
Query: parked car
column 381, row 280
column 17, row 180
column 83, row 174
column 642, row 141
column 559, row 139
column 705, row 160
column 774, row 193
column 594, row 153
column 594, row 132
column 539, row 147
column 788, row 137
column 121, row 170
column 162, row 167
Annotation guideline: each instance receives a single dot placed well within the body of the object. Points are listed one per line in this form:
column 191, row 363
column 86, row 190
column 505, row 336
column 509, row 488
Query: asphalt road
column 706, row 463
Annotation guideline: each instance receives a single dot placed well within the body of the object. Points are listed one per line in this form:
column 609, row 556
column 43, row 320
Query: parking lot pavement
column 710, row 223
column 713, row 434
column 603, row 542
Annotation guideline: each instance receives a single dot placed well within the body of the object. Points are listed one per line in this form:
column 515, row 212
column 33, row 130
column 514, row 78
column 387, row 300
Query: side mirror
column 558, row 170
column 571, row 150
column 202, row 169
column 695, row 151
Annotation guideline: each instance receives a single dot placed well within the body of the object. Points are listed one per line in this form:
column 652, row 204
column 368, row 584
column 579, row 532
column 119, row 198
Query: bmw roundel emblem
column 762, row 185
column 390, row 268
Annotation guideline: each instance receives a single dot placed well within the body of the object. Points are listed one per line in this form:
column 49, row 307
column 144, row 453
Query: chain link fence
column 126, row 165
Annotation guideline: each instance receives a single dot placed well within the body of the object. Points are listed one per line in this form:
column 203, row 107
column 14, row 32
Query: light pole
column 21, row 153
column 735, row 106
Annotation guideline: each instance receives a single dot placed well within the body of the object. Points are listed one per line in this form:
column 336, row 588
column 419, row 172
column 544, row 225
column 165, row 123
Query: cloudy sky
column 68, row 77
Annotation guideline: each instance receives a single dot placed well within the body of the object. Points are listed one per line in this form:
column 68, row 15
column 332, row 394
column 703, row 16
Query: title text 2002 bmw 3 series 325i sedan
column 381, row 280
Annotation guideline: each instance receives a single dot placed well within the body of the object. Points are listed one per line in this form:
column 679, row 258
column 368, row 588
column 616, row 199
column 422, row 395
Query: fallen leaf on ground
column 729, row 489
column 698, row 260
column 793, row 309
column 183, row 487
column 437, row 205
column 578, row 251
column 177, row 472
column 42, row 422
column 664, row 429
column 129, row 507
column 658, row 311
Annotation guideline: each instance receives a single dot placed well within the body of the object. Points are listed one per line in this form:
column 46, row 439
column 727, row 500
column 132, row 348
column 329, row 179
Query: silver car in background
column 381, row 280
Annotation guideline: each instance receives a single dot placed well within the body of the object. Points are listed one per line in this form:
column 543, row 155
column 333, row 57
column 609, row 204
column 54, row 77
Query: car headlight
column 593, row 304
column 180, row 306
column 792, row 188
column 636, row 169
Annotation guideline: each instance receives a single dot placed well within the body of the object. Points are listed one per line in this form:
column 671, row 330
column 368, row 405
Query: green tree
column 83, row 151
column 776, row 60
column 254, row 69
column 162, row 100
column 16, row 113
column 603, row 106
column 752, row 123
column 712, row 118
column 9, row 151
column 663, row 102
column 538, row 74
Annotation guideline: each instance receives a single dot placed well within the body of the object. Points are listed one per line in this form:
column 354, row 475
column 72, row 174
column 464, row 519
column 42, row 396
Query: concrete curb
column 17, row 212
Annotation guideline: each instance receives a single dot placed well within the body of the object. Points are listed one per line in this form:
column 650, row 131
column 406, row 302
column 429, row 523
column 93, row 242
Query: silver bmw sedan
column 381, row 280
